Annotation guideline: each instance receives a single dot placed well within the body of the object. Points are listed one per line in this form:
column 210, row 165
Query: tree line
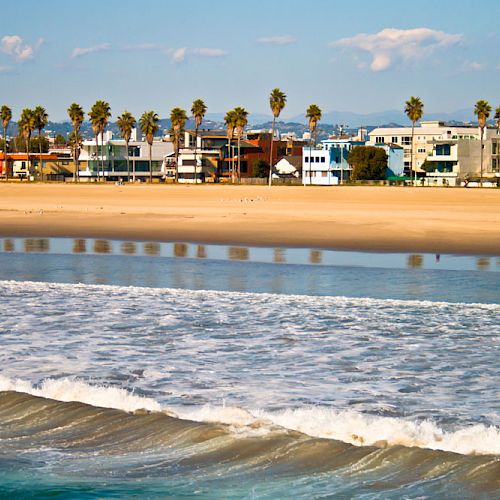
column 235, row 120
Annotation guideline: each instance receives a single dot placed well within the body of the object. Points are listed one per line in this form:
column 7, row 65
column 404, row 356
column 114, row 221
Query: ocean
column 175, row 370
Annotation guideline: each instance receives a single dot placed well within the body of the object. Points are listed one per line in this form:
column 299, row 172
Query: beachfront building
column 208, row 157
column 424, row 136
column 457, row 161
column 114, row 156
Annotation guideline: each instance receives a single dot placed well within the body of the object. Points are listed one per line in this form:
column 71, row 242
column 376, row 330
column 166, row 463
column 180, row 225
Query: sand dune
column 371, row 218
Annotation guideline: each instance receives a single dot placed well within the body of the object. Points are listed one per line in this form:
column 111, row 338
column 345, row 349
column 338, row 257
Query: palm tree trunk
column 411, row 154
column 195, row 147
column 150, row 164
column 128, row 162
column 5, row 162
column 40, row 151
column 97, row 155
column 239, row 159
column 228, row 157
column 102, row 153
column 28, row 166
column 481, row 177
column 271, row 153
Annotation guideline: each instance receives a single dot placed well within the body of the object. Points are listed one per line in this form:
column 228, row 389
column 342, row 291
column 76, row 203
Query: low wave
column 319, row 422
column 279, row 298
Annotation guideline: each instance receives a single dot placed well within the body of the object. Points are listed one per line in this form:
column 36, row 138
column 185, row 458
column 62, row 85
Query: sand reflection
column 36, row 245
column 79, row 246
column 238, row 253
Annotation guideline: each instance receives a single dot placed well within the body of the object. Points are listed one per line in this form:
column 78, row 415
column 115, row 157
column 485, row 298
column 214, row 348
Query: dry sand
column 437, row 220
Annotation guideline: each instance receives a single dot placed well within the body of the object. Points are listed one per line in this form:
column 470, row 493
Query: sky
column 360, row 56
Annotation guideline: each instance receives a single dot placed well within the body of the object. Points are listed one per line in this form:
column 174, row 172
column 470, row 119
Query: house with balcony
column 114, row 154
column 424, row 136
column 454, row 161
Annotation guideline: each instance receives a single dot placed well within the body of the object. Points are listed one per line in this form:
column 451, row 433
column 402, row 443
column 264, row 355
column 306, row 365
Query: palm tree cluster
column 236, row 120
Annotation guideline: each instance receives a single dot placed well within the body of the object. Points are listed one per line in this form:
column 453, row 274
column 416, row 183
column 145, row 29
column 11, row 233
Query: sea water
column 132, row 369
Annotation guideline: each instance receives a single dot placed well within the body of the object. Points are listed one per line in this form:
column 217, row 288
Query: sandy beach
column 436, row 220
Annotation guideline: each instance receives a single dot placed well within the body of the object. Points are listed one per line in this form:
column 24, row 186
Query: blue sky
column 360, row 56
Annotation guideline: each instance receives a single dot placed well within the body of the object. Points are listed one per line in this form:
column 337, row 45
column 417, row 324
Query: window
column 421, row 150
column 322, row 159
column 494, row 165
column 494, row 148
column 394, row 139
column 443, row 149
column 406, row 140
column 317, row 159
column 306, row 159
column 379, row 140
column 324, row 174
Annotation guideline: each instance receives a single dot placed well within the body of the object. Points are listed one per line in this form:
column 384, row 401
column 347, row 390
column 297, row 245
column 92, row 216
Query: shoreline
column 357, row 218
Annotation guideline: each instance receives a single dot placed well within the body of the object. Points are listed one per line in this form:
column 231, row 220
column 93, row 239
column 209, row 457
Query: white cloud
column 390, row 45
column 6, row 69
column 83, row 51
column 179, row 54
column 209, row 52
column 277, row 40
column 473, row 66
column 14, row 46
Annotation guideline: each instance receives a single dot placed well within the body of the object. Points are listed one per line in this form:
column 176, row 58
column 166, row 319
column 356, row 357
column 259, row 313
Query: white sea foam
column 66, row 389
column 277, row 298
column 348, row 426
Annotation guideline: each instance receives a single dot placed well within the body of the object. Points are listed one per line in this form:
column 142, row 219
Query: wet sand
column 436, row 220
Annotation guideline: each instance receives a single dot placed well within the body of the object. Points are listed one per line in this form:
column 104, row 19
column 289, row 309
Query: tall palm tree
column 482, row 110
column 497, row 118
column 313, row 115
column 230, row 120
column 6, row 117
column 27, row 124
column 105, row 115
column 277, row 101
column 178, row 118
column 414, row 109
column 240, row 122
column 198, row 110
column 94, row 116
column 75, row 142
column 99, row 118
column 126, row 122
column 41, row 119
column 76, row 115
column 149, row 126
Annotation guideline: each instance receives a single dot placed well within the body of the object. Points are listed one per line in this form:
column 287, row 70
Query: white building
column 114, row 155
column 424, row 136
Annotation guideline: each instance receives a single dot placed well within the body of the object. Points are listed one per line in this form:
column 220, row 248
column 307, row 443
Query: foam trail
column 348, row 426
column 66, row 389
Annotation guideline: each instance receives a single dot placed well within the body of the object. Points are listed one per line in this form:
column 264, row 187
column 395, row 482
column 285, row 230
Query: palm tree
column 178, row 118
column 6, row 117
column 230, row 120
column 277, row 101
column 198, row 110
column 41, row 118
column 126, row 122
column 27, row 124
column 75, row 142
column 105, row 115
column 149, row 126
column 313, row 114
column 414, row 109
column 497, row 118
column 76, row 115
column 94, row 122
column 240, row 121
column 99, row 117
column 482, row 110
